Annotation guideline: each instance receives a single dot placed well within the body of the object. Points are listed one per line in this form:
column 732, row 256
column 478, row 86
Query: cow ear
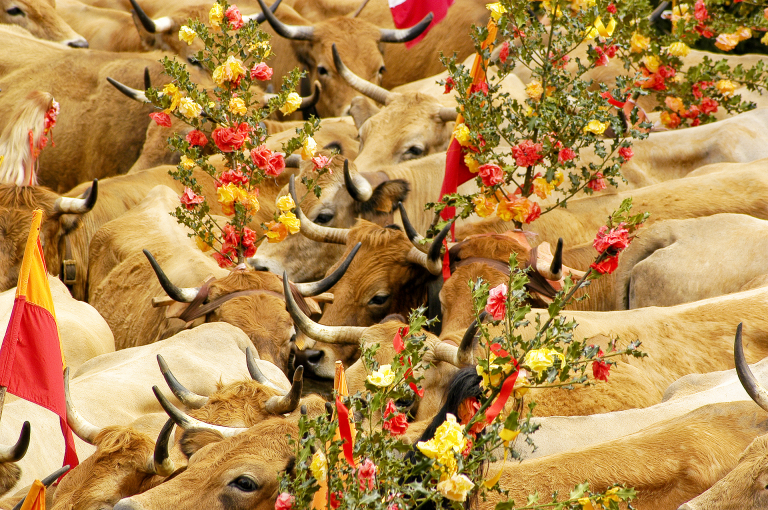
column 384, row 200
column 194, row 439
column 361, row 109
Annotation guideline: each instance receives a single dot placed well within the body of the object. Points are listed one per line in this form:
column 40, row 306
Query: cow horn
column 47, row 481
column 188, row 398
column 146, row 21
column 360, row 9
column 16, row 452
column 313, row 231
column 448, row 114
column 431, row 260
column 447, row 352
column 358, row 186
column 259, row 17
column 346, row 335
column 136, row 95
column 466, row 356
column 324, row 285
column 256, row 373
column 186, row 422
column 555, row 270
column 79, row 425
column 390, row 35
column 180, row 294
column 378, row 94
column 753, row 387
column 287, row 31
column 410, row 231
column 67, row 205
column 289, row 402
column 656, row 14
column 160, row 462
column 147, row 79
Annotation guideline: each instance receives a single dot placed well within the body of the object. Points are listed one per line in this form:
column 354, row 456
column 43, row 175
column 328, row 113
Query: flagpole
column 2, row 399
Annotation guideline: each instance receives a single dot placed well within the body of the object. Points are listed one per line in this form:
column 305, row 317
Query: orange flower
column 276, row 232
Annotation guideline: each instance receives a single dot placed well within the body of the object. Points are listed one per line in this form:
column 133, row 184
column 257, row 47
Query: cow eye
column 245, row 484
column 379, row 299
column 323, row 218
column 322, row 71
column 414, row 152
column 382, row 70
column 15, row 11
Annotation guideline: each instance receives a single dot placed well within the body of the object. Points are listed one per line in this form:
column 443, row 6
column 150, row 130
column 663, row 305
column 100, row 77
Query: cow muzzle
column 128, row 504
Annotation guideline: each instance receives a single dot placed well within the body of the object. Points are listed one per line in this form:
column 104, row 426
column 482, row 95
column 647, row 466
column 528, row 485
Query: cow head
column 357, row 40
column 345, row 196
column 62, row 216
column 40, row 18
column 409, row 126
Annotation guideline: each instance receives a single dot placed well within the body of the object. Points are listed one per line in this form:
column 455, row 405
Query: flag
column 35, row 499
column 31, row 358
column 407, row 13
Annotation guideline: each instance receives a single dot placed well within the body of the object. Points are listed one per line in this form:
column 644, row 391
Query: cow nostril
column 80, row 43
column 314, row 357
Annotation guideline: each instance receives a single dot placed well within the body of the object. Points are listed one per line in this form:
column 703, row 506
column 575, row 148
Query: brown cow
column 40, row 19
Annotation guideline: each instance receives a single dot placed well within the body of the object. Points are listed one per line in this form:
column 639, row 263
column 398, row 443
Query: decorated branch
column 226, row 122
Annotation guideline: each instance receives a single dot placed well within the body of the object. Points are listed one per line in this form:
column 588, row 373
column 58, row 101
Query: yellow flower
column 534, row 90
column 250, row 201
column 586, row 504
column 230, row 70
column 187, row 35
column 507, row 435
column 211, row 105
column 264, row 46
column 679, row 49
column 542, row 188
column 291, row 222
column 187, row 164
column 319, row 466
column 450, row 435
column 651, row 62
column 559, row 178
column 189, row 108
column 383, row 377
column 202, row 245
column 680, row 11
column 237, row 106
column 595, row 127
column 483, row 206
column 522, row 380
column 610, row 495
column 216, row 15
column 639, row 43
column 516, row 209
column 764, row 40
column 285, row 203
column 308, row 149
column 471, row 163
column 461, row 134
column 496, row 372
column 547, row 4
column 540, row 359
column 727, row 42
column 496, row 10
column 292, row 104
column 172, row 91
column 743, row 33
column 675, row 104
column 578, row 5
column 456, row 487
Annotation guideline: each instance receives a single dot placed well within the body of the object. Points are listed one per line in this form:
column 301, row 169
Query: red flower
column 504, row 52
column 607, row 266
column 534, row 214
column 335, row 499
column 696, row 122
column 260, row 156
column 497, row 302
column 703, row 31
column 449, row 83
column 616, row 239
column 602, row 58
column 232, row 176
column 275, row 165
column 161, row 118
column 261, row 71
column 190, row 199
column 197, row 138
column 692, row 112
column 700, row 10
column 234, row 17
column 366, row 475
column 320, row 162
column 222, row 260
column 231, row 138
column 479, row 87
column 709, row 105
column 527, row 153
column 600, row 369
column 284, row 502
column 597, row 183
column 491, row 174
column 566, row 154
column 230, row 235
column 396, row 423
column 666, row 72
column 498, row 351
column 611, row 50
column 611, row 8
column 249, row 238
column 626, row 153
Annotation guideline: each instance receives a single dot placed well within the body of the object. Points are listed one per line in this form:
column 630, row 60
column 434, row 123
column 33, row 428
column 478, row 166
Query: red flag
column 31, row 358
column 407, row 13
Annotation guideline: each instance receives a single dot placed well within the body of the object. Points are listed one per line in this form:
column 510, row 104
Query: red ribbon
column 399, row 345
column 345, row 431
column 504, row 394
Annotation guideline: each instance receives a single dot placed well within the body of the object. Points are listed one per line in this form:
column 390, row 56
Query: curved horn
column 407, row 34
column 656, row 14
column 160, row 463
column 313, row 231
column 324, row 285
column 290, row 401
column 79, row 425
column 185, row 421
column 16, row 452
column 431, row 260
column 448, row 114
column 145, row 20
column 136, row 95
column 47, row 481
column 180, row 294
column 256, row 373
column 311, row 100
column 67, row 205
column 287, row 31
column 259, row 17
column 147, row 79
column 358, row 187
column 415, row 238
column 360, row 9
column 753, row 387
column 345, row 335
column 555, row 270
column 466, row 355
column 188, row 398
column 378, row 94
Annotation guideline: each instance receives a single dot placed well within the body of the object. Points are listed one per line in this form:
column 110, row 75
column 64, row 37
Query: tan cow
column 40, row 19
column 105, row 29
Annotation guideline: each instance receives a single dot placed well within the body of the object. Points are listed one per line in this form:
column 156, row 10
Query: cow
column 17, row 160
column 105, row 29
column 40, row 19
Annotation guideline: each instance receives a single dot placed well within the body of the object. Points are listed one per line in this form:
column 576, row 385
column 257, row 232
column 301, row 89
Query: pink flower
column 615, row 239
column 709, row 105
column 449, row 83
column 231, row 138
column 320, row 162
column 504, row 52
column 234, row 17
column 190, row 199
column 626, row 153
column 275, row 165
column 527, row 153
column 233, row 176
column 261, row 71
column 566, row 154
column 366, row 475
column 611, row 50
column 491, row 174
column 161, row 118
column 260, row 156
column 700, row 10
column 597, row 183
column 284, row 502
column 497, row 302
column 602, row 58
column 197, row 138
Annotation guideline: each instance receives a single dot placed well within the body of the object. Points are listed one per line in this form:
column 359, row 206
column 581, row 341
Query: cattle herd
column 143, row 313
